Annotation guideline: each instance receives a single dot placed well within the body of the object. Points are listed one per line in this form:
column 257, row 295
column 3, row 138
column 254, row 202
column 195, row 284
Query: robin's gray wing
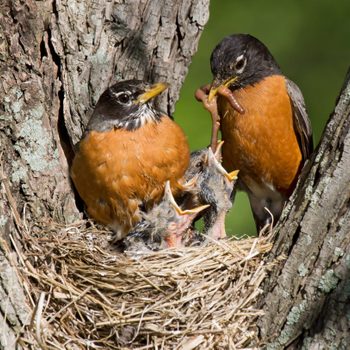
column 301, row 120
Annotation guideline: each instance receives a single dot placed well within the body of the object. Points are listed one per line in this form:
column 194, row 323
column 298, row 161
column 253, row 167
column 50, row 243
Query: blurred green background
column 309, row 39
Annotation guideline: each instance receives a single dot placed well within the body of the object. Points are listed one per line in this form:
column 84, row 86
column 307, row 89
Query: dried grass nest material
column 87, row 296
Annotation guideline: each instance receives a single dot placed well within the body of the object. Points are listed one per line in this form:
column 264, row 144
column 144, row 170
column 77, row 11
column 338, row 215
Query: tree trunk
column 307, row 301
column 56, row 58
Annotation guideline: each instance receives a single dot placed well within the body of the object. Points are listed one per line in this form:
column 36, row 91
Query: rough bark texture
column 56, row 58
column 308, row 296
column 14, row 313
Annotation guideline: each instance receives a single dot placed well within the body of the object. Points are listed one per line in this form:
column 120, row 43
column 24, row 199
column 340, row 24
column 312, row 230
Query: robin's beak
column 216, row 84
column 152, row 92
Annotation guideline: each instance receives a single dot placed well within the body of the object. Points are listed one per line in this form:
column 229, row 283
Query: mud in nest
column 86, row 295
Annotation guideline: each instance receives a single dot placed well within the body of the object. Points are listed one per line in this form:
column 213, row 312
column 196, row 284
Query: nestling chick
column 214, row 187
column 163, row 226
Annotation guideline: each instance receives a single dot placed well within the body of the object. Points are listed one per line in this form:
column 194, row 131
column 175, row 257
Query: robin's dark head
column 127, row 104
column 240, row 60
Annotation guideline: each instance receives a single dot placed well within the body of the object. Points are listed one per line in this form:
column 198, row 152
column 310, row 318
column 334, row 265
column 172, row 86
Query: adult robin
column 164, row 226
column 263, row 122
column 127, row 153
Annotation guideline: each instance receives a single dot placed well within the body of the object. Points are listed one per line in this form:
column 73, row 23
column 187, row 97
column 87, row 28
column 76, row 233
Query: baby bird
column 164, row 226
column 214, row 186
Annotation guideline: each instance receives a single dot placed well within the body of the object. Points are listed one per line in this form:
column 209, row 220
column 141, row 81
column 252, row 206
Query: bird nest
column 86, row 295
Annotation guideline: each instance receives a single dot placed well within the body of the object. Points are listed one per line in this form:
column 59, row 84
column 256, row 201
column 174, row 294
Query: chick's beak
column 215, row 162
column 216, row 84
column 152, row 92
column 169, row 196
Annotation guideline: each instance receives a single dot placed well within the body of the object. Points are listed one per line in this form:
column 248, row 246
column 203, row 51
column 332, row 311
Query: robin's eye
column 240, row 64
column 124, row 98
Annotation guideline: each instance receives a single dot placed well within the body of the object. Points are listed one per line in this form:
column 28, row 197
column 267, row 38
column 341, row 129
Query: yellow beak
column 232, row 175
column 215, row 87
column 213, row 160
column 180, row 211
column 154, row 91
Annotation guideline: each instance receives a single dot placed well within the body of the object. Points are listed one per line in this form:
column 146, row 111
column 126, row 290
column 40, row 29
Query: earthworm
column 225, row 91
column 201, row 95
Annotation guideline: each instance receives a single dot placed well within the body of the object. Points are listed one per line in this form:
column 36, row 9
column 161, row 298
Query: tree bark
column 14, row 312
column 307, row 300
column 56, row 58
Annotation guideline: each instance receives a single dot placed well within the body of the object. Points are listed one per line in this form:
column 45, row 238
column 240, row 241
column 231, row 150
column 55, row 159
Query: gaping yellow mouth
column 214, row 89
column 154, row 91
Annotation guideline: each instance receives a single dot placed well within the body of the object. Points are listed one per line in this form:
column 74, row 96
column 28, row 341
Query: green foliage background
column 310, row 40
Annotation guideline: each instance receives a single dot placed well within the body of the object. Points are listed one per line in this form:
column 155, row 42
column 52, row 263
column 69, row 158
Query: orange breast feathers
column 117, row 171
column 261, row 143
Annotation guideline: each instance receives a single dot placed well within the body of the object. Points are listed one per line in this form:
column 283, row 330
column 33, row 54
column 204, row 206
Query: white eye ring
column 240, row 64
column 118, row 94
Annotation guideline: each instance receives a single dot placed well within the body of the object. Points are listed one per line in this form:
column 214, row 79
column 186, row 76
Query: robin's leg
column 266, row 211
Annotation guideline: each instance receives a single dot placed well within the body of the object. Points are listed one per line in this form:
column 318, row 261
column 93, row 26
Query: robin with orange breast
column 263, row 122
column 127, row 153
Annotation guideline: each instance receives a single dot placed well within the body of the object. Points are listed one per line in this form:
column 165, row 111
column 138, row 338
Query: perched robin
column 127, row 153
column 214, row 186
column 263, row 122
column 164, row 226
